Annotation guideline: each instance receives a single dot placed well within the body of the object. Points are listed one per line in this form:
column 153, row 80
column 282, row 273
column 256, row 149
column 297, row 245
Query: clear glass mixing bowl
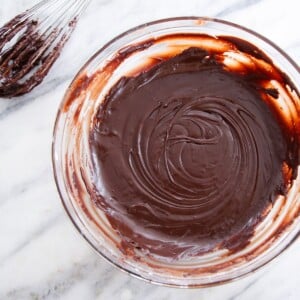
column 72, row 165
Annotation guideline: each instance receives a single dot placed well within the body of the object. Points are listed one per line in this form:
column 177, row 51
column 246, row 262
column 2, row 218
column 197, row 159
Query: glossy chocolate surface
column 188, row 154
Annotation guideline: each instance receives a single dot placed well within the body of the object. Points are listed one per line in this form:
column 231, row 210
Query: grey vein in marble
column 238, row 295
column 56, row 286
column 24, row 186
column 35, row 235
column 235, row 7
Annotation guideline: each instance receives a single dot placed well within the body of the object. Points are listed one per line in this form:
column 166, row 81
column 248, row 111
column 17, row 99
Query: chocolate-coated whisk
column 31, row 42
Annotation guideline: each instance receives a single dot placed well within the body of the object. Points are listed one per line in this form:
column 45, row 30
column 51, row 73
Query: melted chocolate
column 188, row 155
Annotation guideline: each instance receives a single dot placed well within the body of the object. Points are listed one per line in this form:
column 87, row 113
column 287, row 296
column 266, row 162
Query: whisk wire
column 31, row 42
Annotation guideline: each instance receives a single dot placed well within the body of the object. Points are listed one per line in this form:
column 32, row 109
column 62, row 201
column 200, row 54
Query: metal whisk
column 31, row 42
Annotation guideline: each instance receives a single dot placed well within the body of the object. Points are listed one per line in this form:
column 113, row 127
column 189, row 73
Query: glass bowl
column 72, row 164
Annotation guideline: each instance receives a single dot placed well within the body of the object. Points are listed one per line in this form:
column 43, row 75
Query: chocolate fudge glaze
column 187, row 155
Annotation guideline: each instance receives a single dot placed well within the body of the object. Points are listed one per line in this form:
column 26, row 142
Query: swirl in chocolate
column 188, row 155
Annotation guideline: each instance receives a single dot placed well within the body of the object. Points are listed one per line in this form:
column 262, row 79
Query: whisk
column 31, row 42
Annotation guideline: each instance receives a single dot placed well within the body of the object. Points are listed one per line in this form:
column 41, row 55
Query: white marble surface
column 41, row 254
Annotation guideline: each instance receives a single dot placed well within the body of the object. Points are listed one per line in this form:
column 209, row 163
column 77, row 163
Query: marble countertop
column 41, row 254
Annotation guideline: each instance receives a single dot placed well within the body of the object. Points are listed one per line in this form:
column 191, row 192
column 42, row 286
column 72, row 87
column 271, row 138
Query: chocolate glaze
column 188, row 155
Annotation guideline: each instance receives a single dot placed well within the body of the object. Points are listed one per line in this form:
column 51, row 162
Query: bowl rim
column 55, row 168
